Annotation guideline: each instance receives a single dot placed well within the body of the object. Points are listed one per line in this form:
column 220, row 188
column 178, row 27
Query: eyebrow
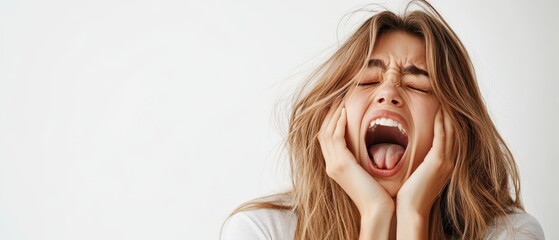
column 412, row 69
column 376, row 63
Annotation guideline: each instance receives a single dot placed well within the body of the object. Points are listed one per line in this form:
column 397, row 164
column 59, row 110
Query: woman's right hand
column 374, row 203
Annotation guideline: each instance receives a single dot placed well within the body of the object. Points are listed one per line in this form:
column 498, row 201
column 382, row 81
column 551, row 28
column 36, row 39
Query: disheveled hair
column 484, row 184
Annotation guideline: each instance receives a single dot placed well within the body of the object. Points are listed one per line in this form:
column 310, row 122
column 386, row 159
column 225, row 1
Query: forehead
column 401, row 47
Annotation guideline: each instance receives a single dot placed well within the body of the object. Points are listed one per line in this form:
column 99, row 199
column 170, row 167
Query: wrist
column 412, row 224
column 411, row 210
column 378, row 213
column 376, row 225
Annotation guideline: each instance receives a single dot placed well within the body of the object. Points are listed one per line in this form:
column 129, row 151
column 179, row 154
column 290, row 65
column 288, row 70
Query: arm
column 375, row 225
column 416, row 197
column 412, row 224
column 375, row 205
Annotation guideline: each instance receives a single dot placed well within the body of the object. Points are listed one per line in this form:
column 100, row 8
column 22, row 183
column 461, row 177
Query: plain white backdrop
column 154, row 119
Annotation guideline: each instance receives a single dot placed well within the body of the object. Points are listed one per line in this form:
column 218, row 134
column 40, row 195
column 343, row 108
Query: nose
column 388, row 92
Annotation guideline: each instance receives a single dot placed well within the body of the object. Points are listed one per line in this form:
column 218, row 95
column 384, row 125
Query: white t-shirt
column 280, row 225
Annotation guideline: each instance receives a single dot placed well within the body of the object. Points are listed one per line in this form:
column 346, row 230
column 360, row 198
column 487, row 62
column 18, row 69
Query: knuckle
column 442, row 134
column 339, row 141
column 335, row 169
column 322, row 136
column 450, row 165
column 320, row 140
column 446, row 166
column 338, row 135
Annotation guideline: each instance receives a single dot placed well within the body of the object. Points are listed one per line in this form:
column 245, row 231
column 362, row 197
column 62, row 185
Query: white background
column 124, row 119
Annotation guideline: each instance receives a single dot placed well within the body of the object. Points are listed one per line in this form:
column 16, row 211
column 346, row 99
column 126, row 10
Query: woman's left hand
column 417, row 195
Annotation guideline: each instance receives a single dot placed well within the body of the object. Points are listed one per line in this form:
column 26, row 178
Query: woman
column 393, row 140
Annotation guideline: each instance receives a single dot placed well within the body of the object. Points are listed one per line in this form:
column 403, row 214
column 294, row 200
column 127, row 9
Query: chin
column 390, row 186
column 393, row 183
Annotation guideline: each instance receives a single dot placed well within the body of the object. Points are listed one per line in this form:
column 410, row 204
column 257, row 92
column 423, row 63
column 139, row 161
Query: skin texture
column 398, row 205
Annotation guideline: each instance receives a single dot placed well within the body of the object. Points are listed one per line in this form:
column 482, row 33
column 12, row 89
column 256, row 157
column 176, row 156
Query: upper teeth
column 387, row 122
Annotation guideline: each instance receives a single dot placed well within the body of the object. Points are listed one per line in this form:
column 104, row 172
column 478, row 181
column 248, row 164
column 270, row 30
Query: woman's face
column 390, row 115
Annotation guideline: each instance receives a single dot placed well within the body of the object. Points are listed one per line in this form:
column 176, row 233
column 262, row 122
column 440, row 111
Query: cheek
column 355, row 107
column 426, row 112
column 353, row 115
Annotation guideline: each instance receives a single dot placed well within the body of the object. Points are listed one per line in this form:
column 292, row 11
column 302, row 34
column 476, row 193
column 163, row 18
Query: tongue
column 386, row 155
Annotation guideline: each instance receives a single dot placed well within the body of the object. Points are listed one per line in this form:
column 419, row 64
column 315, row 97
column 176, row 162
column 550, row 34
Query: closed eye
column 368, row 84
column 415, row 88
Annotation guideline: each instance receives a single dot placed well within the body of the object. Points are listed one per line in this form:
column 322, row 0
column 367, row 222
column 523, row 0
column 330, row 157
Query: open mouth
column 386, row 142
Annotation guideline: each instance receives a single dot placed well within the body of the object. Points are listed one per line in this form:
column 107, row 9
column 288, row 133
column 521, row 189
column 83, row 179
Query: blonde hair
column 484, row 183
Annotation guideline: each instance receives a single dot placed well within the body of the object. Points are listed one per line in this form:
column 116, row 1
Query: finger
column 449, row 134
column 438, row 139
column 328, row 118
column 335, row 117
column 339, row 132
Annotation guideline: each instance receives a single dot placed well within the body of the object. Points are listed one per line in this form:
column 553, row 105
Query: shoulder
column 260, row 224
column 517, row 225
